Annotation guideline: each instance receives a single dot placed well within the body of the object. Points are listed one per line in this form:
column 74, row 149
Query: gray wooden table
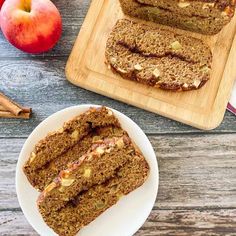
column 197, row 194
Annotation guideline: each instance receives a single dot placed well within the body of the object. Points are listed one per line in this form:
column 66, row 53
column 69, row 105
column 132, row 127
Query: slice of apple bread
column 88, row 205
column 53, row 152
column 158, row 57
column 99, row 164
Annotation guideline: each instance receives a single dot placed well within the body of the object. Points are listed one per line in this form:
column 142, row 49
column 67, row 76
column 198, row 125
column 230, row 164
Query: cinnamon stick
column 22, row 115
column 10, row 109
column 24, row 109
column 9, row 105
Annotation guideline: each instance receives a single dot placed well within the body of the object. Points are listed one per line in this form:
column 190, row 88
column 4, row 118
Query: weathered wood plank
column 190, row 222
column 13, row 223
column 195, row 171
column 72, row 9
column 41, row 84
column 160, row 222
column 73, row 13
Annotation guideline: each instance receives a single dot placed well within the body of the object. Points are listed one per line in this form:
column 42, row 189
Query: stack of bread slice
column 83, row 169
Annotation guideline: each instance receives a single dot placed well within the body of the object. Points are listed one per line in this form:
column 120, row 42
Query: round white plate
column 124, row 218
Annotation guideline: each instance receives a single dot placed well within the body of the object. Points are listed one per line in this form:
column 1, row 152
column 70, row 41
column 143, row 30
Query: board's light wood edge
column 83, row 36
column 225, row 87
column 77, row 76
column 85, row 74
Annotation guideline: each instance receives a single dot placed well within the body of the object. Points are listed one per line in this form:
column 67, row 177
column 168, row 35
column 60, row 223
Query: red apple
column 1, row 2
column 33, row 26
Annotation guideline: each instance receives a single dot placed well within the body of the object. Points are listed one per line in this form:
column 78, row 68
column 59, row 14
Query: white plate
column 124, row 218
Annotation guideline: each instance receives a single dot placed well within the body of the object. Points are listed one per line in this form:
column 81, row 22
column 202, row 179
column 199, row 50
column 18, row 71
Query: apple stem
column 27, row 5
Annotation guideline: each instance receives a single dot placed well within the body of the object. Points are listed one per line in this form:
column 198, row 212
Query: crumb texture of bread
column 88, row 205
column 158, row 57
column 52, row 153
column 95, row 167
column 202, row 16
column 44, row 176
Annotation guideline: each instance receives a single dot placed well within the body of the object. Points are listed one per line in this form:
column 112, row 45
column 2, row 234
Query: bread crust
column 205, row 17
column 54, row 151
column 88, row 205
column 157, row 57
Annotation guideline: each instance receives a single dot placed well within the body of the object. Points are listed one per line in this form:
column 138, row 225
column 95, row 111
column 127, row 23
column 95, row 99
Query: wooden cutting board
column 202, row 108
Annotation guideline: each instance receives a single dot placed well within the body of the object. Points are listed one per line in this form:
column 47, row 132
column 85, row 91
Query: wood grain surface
column 203, row 108
column 197, row 195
